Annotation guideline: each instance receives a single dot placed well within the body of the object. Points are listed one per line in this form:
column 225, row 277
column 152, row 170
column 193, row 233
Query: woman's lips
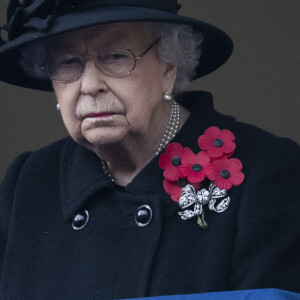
column 99, row 115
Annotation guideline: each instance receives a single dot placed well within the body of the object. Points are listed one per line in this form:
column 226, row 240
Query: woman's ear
column 169, row 77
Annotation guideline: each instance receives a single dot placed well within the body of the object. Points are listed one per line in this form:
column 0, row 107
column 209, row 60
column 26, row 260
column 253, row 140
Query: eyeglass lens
column 68, row 67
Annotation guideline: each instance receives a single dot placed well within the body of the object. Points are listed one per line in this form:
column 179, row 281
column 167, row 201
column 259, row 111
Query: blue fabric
column 265, row 294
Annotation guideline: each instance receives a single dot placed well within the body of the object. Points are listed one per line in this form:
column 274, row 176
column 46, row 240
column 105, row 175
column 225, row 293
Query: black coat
column 254, row 244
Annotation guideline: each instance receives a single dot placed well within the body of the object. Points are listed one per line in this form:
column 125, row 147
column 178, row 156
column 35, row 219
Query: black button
column 143, row 215
column 176, row 161
column 182, row 182
column 197, row 168
column 80, row 220
column 225, row 174
column 218, row 143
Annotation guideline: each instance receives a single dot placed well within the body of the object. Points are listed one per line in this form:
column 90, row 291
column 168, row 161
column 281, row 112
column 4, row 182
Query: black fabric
column 254, row 244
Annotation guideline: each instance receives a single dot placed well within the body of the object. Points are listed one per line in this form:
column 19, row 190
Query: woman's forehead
column 102, row 35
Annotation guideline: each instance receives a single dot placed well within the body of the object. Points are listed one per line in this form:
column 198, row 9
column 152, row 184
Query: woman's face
column 97, row 109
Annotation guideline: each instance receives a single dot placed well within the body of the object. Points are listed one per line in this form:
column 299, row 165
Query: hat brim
column 216, row 47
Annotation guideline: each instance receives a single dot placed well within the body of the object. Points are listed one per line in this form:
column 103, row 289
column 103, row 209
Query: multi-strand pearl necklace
column 170, row 133
column 172, row 127
column 105, row 168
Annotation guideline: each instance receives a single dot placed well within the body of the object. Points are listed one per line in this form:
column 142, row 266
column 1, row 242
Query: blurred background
column 258, row 85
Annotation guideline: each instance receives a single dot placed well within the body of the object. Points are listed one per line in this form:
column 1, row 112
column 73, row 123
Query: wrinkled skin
column 129, row 136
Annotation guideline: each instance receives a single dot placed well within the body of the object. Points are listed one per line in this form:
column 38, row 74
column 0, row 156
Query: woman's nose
column 92, row 80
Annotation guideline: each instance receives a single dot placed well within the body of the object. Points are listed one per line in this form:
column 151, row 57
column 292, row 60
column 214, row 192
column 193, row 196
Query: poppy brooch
column 194, row 180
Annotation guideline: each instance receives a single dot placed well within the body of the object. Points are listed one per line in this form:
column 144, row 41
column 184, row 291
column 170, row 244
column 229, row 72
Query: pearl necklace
column 172, row 127
column 170, row 133
column 105, row 168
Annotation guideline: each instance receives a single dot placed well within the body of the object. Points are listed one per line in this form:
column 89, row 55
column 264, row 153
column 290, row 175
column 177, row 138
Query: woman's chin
column 104, row 137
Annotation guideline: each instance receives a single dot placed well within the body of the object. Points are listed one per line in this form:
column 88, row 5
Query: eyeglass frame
column 86, row 58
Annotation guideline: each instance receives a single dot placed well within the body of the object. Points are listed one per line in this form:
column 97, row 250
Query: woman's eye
column 117, row 56
column 112, row 58
column 69, row 61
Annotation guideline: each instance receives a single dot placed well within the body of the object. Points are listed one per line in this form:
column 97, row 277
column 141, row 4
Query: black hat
column 36, row 19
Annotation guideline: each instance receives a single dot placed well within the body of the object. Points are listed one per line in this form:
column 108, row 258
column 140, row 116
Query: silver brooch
column 192, row 203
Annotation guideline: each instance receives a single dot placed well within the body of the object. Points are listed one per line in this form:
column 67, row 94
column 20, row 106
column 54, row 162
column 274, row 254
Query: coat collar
column 82, row 175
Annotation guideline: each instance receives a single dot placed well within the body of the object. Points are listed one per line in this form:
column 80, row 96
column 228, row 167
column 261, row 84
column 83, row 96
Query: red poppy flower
column 194, row 166
column 217, row 142
column 226, row 172
column 174, row 188
column 171, row 160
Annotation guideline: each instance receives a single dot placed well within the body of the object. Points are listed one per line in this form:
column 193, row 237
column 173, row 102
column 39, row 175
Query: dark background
column 258, row 85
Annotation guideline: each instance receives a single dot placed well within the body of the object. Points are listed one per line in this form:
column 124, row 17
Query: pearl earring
column 167, row 97
column 58, row 106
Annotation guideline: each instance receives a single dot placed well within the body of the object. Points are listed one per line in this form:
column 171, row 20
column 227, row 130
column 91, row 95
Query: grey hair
column 179, row 46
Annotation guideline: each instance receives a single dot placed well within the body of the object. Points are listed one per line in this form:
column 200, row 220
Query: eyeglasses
column 68, row 67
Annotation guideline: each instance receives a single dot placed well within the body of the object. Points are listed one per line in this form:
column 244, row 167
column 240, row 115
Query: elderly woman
column 147, row 196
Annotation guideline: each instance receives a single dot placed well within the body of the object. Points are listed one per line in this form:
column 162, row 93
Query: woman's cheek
column 70, row 119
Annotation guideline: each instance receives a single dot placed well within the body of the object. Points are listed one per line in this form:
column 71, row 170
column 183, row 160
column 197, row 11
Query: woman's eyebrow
column 120, row 43
column 107, row 40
